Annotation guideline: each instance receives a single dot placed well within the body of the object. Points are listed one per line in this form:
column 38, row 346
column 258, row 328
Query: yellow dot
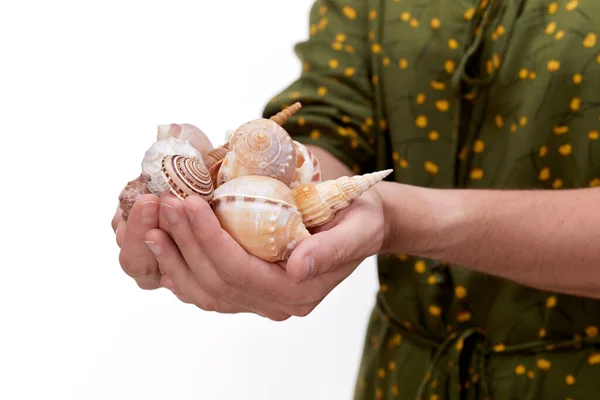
column 369, row 121
column 301, row 121
column 544, row 174
column 513, row 128
column 382, row 123
column 384, row 288
column 577, row 78
column 523, row 73
column 593, row 134
column 421, row 121
column 575, row 104
column 295, row 95
column 550, row 28
column 395, row 156
column 375, row 79
column 434, row 397
column 392, row 365
column 552, row 7
column 337, row 45
column 453, row 44
column 590, row 40
column 594, row 358
column 551, row 302
column 420, row 99
column 403, row 63
column 349, row 71
column 469, row 14
column 553, row 65
column 501, row 30
column 431, row 280
column 571, row 5
column 342, row 131
column 500, row 347
column 322, row 91
column 346, row 119
column 435, row 311
column 371, row 35
column 462, row 155
column 313, row 29
column 595, row 182
column 565, row 149
column 559, row 35
column 591, row 331
column 543, row 365
column 464, row 316
column 542, row 333
column 372, row 15
column 570, row 379
column 420, row 266
column 322, row 10
column 405, row 16
column 489, row 67
column 414, row 22
column 349, row 12
column 323, row 23
column 340, row 37
column 378, row 393
column 433, row 135
column 386, row 61
column 315, row 134
column 395, row 390
column 476, row 174
column 598, row 58
column 435, row 23
column 520, row 369
column 436, row 85
column 333, row 63
column 442, row 105
column 460, row 292
column 523, row 121
column 449, row 66
column 532, row 75
column 478, row 146
column 381, row 373
column 431, row 167
column 349, row 48
column 376, row 48
column 306, row 67
column 499, row 121
column 496, row 60
column 560, row 129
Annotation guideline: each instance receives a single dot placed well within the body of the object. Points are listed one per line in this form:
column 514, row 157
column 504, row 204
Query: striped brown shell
column 187, row 177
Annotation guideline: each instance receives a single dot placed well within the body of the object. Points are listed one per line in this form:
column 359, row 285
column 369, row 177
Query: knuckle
column 206, row 304
column 136, row 269
column 302, row 311
column 147, row 284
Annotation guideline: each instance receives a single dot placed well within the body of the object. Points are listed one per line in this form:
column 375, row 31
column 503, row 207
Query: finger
column 136, row 258
column 167, row 282
column 117, row 218
column 260, row 279
column 207, row 277
column 120, row 233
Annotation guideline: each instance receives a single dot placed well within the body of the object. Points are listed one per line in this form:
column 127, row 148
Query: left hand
column 204, row 266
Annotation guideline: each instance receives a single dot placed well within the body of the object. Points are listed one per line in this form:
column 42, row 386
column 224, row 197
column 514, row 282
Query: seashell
column 259, row 147
column 318, row 203
column 131, row 192
column 152, row 162
column 189, row 132
column 254, row 211
column 283, row 116
column 187, row 176
column 308, row 169
column 216, row 155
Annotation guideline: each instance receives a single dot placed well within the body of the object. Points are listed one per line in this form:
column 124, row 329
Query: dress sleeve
column 335, row 86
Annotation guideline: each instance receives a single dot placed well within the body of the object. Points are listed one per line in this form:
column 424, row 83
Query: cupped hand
column 204, row 266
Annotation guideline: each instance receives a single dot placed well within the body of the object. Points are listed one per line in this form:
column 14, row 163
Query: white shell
column 308, row 169
column 152, row 162
column 189, row 132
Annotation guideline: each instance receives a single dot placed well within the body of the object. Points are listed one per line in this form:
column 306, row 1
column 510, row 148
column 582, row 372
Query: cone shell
column 253, row 210
column 186, row 177
column 318, row 203
column 259, row 147
column 308, row 169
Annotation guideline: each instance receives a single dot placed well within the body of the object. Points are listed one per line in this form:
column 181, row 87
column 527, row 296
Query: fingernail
column 171, row 212
column 148, row 210
column 154, row 247
column 308, row 268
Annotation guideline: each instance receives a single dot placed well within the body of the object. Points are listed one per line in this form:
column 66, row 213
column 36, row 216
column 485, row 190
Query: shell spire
column 187, row 176
column 318, row 203
column 283, row 116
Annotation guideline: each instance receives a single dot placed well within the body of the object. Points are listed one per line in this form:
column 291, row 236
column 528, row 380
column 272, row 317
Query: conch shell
column 308, row 169
column 266, row 217
column 152, row 162
column 187, row 176
column 187, row 132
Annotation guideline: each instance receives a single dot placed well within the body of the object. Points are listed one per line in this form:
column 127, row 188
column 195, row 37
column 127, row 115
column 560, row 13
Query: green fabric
column 461, row 94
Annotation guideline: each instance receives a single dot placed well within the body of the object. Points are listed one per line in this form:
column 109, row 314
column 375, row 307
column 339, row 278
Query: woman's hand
column 204, row 266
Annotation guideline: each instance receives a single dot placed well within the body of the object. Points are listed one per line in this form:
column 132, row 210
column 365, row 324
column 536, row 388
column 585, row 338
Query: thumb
column 321, row 253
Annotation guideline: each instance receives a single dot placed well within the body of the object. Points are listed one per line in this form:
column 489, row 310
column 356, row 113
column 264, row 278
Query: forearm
column 549, row 240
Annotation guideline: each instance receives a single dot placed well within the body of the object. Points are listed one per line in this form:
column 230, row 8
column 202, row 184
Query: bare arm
column 549, row 240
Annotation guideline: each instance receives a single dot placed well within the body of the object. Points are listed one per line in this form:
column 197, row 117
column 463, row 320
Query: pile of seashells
column 264, row 188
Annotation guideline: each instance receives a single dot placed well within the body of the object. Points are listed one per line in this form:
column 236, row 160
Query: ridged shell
column 131, row 192
column 187, row 177
column 308, row 169
column 216, row 155
column 259, row 147
column 152, row 162
column 266, row 228
column 255, row 185
column 188, row 132
column 318, row 203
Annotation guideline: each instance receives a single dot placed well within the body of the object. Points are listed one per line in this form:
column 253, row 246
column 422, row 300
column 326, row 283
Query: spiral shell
column 189, row 132
column 318, row 203
column 152, row 162
column 259, row 147
column 216, row 155
column 131, row 192
column 255, row 211
column 308, row 169
column 186, row 177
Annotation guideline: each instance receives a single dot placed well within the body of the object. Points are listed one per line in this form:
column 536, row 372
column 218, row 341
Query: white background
column 83, row 85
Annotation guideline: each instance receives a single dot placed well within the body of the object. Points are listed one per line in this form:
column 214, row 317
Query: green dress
column 461, row 94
